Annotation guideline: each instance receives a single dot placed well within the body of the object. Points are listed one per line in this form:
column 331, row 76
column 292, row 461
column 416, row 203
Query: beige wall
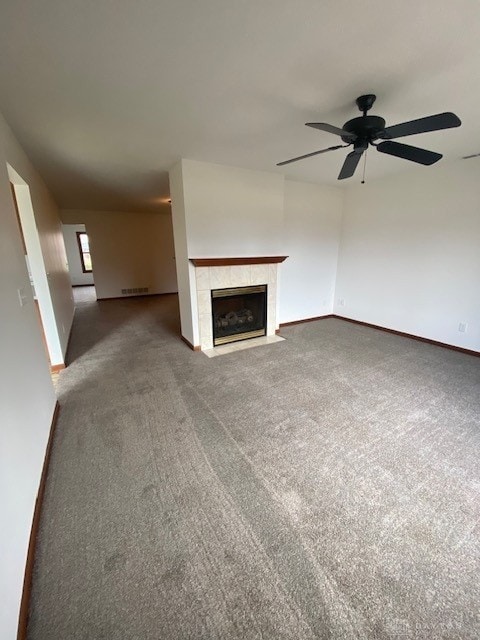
column 129, row 250
column 27, row 398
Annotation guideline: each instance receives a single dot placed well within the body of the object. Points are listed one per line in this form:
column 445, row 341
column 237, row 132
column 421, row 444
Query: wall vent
column 137, row 290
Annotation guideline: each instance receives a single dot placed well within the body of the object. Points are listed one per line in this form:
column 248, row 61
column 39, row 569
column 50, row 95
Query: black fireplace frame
column 246, row 290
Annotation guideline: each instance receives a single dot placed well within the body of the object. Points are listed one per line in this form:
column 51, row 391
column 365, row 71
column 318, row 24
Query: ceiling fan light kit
column 365, row 130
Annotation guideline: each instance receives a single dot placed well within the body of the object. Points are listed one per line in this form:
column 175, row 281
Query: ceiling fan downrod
column 365, row 103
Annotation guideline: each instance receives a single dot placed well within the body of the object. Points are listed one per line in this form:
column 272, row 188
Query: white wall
column 221, row 211
column 232, row 211
column 185, row 271
column 313, row 216
column 224, row 211
column 409, row 256
column 27, row 398
column 129, row 250
column 410, row 253
column 77, row 276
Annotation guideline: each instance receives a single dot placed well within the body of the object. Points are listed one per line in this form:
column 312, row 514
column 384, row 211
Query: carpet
column 323, row 487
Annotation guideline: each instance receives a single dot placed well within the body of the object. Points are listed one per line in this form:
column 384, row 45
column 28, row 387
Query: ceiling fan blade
column 309, row 155
column 323, row 126
column 407, row 152
column 350, row 164
column 422, row 125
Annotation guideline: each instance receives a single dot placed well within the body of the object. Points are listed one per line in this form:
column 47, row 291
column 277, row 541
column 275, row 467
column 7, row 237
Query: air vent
column 137, row 290
column 473, row 155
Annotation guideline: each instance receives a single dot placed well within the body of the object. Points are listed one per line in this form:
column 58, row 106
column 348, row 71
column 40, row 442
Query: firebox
column 239, row 313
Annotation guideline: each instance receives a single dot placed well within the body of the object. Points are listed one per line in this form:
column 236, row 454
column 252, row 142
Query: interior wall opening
column 39, row 276
column 79, row 258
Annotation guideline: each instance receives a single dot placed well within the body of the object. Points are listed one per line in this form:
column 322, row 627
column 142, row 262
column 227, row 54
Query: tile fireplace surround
column 222, row 273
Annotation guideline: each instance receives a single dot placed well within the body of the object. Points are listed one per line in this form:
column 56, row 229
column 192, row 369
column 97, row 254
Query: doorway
column 39, row 277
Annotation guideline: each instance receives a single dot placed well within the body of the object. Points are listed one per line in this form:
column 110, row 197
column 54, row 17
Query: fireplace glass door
column 239, row 313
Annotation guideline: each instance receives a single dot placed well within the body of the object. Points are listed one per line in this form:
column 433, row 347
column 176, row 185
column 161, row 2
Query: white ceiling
column 107, row 95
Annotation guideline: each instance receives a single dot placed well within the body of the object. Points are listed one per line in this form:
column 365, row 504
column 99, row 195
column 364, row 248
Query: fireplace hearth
column 239, row 313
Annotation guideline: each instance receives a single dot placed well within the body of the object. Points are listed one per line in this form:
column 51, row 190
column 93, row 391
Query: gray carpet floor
column 323, row 487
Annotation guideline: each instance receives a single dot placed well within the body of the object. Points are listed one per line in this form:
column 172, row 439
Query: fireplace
column 239, row 313
column 217, row 281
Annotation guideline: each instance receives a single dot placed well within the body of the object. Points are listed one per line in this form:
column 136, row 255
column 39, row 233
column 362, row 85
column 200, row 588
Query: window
column 84, row 248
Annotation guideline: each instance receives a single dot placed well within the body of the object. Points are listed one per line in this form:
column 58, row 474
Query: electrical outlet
column 462, row 327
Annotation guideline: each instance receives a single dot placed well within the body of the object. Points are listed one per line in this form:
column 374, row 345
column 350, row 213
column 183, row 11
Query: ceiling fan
column 365, row 130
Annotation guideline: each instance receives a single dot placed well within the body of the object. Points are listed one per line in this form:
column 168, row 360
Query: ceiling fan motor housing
column 366, row 128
